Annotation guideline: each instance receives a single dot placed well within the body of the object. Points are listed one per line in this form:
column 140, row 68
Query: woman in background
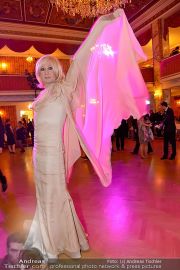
column 10, row 136
column 145, row 135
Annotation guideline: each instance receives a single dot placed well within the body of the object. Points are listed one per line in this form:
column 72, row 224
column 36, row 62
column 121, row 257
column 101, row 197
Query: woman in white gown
column 56, row 228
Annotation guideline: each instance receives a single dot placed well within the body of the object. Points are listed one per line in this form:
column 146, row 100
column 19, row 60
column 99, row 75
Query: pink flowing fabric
column 110, row 86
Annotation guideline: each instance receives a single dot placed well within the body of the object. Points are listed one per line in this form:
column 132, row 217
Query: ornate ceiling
column 48, row 29
column 42, row 13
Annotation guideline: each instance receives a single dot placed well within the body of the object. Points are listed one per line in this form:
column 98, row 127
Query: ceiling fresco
column 42, row 13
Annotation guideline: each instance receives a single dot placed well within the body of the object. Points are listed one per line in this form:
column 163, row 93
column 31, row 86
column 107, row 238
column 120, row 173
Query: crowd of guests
column 160, row 124
column 12, row 138
column 142, row 130
column 16, row 137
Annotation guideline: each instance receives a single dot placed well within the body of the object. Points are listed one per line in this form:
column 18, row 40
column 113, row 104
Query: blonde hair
column 57, row 68
column 53, row 90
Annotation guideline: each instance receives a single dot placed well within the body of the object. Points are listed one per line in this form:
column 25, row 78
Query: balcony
column 148, row 74
column 15, row 88
column 170, row 67
column 13, row 83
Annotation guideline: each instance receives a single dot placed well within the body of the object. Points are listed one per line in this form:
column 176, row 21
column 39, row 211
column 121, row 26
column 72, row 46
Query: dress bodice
column 48, row 122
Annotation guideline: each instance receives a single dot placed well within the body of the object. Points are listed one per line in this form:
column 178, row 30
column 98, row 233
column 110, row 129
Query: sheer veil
column 107, row 84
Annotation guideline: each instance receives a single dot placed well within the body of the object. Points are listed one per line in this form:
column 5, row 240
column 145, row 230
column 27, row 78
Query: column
column 166, row 48
column 157, row 46
column 167, row 95
column 160, row 45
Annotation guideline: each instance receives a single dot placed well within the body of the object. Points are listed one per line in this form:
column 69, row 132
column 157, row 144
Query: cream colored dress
column 55, row 228
column 109, row 87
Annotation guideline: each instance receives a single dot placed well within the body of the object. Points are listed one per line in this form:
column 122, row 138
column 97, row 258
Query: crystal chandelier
column 88, row 8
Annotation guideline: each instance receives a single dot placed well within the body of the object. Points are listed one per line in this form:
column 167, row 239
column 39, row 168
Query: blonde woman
column 56, row 228
column 77, row 109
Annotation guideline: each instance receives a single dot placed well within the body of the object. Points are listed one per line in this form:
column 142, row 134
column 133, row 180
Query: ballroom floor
column 137, row 216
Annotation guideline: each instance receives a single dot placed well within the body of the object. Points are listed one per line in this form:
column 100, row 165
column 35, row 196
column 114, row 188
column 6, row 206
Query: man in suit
column 169, row 131
column 120, row 134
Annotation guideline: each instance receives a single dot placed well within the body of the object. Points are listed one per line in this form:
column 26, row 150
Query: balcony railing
column 13, row 82
column 170, row 66
column 148, row 74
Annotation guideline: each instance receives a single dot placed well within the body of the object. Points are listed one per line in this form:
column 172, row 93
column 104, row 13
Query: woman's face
column 46, row 73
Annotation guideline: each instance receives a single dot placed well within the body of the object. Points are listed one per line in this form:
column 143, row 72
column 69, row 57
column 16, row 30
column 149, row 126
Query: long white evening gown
column 55, row 228
column 114, row 89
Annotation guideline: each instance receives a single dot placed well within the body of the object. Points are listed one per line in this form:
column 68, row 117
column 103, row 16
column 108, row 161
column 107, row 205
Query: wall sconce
column 30, row 106
column 29, row 59
column 22, row 113
column 148, row 66
column 178, row 102
column 4, row 66
column 158, row 93
column 93, row 101
column 1, row 113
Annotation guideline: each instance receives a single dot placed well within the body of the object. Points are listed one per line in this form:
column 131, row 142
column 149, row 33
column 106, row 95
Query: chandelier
column 88, row 8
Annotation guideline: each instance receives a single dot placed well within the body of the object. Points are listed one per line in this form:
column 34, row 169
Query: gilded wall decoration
column 59, row 18
column 11, row 9
column 36, row 11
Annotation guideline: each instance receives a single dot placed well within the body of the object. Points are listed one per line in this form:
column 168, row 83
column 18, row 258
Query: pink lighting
column 110, row 74
column 101, row 49
column 118, row 212
column 93, row 101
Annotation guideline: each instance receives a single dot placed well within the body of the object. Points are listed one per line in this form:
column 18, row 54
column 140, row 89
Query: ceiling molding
column 15, row 96
column 170, row 81
column 27, row 98
column 12, row 30
column 162, row 9
column 41, row 33
column 18, row 92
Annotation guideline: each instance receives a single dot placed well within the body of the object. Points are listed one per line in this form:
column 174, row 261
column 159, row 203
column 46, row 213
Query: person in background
column 175, row 51
column 2, row 132
column 113, row 136
column 152, row 118
column 145, row 134
column 3, row 181
column 169, row 131
column 24, row 122
column 130, row 127
column 30, row 130
column 20, row 136
column 10, row 136
column 158, row 120
column 136, row 138
column 15, row 244
column 120, row 134
column 34, row 259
